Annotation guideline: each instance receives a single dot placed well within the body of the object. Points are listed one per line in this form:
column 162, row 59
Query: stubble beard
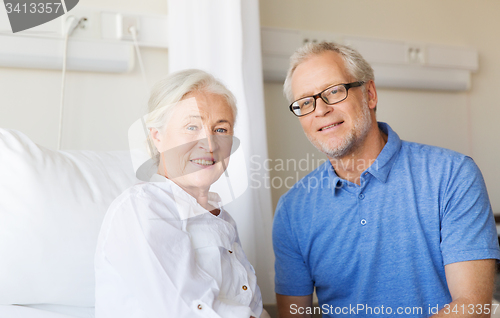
column 350, row 142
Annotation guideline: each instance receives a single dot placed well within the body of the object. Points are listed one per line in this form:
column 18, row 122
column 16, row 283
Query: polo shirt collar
column 336, row 182
column 381, row 168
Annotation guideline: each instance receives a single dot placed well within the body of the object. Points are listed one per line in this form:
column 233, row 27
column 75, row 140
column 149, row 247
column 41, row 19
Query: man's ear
column 371, row 94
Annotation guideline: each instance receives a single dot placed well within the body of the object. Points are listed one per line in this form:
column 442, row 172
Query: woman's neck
column 199, row 193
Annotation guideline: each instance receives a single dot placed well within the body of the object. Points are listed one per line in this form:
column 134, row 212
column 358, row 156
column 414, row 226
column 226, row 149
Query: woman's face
column 197, row 140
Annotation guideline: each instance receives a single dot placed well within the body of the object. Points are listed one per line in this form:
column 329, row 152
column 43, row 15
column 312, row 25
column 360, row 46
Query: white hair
column 355, row 64
column 167, row 92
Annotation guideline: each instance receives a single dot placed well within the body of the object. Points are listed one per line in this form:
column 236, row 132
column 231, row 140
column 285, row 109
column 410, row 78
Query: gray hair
column 355, row 64
column 167, row 92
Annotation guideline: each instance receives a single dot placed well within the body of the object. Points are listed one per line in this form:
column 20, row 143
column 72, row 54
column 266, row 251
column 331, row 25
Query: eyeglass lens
column 330, row 96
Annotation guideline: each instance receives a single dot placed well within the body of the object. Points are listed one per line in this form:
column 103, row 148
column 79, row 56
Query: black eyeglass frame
column 315, row 97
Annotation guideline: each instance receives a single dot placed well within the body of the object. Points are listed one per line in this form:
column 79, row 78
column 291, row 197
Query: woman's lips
column 203, row 162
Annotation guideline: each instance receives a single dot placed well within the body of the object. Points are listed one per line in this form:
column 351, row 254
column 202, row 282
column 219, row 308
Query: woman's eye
column 192, row 128
column 221, row 130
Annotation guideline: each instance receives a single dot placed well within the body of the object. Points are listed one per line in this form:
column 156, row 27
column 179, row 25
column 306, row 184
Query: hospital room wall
column 99, row 107
column 462, row 121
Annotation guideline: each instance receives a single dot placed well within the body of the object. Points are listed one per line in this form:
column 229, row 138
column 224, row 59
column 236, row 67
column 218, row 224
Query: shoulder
column 144, row 200
column 435, row 157
column 438, row 165
column 320, row 174
column 309, row 188
column 417, row 150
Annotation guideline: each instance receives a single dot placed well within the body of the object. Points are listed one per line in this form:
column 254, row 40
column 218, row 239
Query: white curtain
column 222, row 37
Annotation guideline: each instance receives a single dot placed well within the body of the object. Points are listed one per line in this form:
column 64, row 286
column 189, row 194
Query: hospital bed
column 52, row 204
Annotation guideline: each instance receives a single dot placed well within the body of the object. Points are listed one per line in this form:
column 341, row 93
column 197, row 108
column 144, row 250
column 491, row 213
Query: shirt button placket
column 362, row 214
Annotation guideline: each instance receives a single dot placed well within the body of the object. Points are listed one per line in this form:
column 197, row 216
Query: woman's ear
column 157, row 138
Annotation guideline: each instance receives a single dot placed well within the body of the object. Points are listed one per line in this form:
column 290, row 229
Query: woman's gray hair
column 167, row 92
column 355, row 64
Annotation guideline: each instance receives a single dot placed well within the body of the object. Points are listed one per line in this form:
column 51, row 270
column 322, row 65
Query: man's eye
column 306, row 103
column 221, row 130
column 192, row 128
column 334, row 91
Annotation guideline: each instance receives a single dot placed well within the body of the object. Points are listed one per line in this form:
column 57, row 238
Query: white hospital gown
column 160, row 254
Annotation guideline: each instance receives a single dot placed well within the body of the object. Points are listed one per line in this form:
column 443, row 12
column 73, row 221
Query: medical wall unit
column 101, row 42
column 397, row 64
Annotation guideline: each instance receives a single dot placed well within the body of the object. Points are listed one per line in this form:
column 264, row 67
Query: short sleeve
column 293, row 277
column 468, row 229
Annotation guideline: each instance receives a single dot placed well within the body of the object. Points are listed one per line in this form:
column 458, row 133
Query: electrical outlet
column 316, row 37
column 416, row 54
column 88, row 23
column 127, row 22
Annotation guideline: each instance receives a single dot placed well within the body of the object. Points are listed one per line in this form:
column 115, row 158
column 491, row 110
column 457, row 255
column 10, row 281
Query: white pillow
column 12, row 311
column 52, row 204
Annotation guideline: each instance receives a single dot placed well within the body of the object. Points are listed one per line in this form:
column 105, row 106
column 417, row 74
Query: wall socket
column 127, row 22
column 88, row 27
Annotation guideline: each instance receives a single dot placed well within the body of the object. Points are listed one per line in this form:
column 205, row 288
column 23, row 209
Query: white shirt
column 160, row 254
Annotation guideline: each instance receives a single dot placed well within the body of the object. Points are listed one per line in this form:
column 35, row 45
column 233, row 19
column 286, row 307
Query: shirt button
column 230, row 251
column 363, row 222
column 200, row 307
column 244, row 287
column 361, row 196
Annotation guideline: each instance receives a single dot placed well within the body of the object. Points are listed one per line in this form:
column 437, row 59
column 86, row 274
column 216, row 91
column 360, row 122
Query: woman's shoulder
column 145, row 200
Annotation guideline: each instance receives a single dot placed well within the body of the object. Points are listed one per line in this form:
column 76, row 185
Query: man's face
column 339, row 129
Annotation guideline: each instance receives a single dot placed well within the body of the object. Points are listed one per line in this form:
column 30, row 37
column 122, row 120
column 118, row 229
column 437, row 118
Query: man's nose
column 322, row 108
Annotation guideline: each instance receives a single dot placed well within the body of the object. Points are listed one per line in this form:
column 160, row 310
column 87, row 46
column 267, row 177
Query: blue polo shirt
column 379, row 249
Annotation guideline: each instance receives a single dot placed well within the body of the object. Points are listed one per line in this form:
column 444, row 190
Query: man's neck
column 351, row 166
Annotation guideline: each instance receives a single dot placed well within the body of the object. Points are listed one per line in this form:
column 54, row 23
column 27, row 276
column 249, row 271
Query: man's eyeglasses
column 332, row 95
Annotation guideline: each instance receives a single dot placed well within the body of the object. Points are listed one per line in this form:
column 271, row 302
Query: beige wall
column 99, row 107
column 437, row 118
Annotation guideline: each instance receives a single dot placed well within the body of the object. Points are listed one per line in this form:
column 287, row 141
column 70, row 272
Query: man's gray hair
column 355, row 64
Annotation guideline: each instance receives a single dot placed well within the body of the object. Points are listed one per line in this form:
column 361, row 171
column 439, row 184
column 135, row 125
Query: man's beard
column 350, row 142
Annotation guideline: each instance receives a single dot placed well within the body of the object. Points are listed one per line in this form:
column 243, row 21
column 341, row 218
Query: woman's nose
column 208, row 140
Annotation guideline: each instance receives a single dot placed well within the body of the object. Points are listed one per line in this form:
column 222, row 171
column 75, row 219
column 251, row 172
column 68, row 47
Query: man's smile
column 331, row 126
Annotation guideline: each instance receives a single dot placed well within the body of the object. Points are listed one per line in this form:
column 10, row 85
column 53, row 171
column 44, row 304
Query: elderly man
column 385, row 227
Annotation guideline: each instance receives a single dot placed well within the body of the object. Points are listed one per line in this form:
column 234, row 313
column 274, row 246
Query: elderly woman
column 167, row 248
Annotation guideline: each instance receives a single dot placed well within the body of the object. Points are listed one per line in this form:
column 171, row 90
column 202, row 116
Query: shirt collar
column 336, row 182
column 381, row 167
column 187, row 206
